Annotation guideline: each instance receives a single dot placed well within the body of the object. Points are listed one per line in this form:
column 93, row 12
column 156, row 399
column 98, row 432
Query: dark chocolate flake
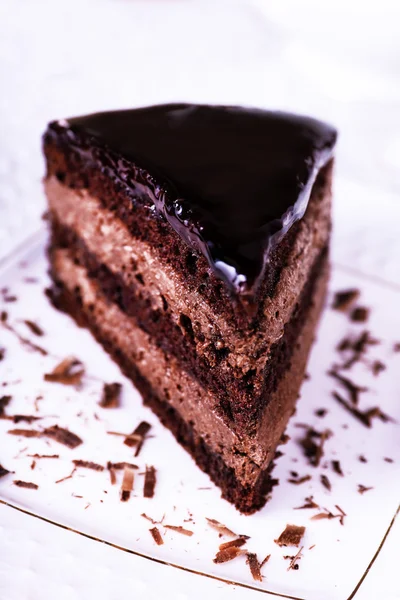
column 344, row 299
column 4, row 401
column 240, row 541
column 255, row 567
column 222, row 529
column 321, row 412
column 362, row 458
column 87, row 464
column 68, row 372
column 291, row 536
column 28, row 433
column 313, row 444
column 228, row 554
column 353, row 389
column 119, row 466
column 111, row 395
column 149, row 482
column 377, row 367
column 359, row 314
column 127, row 484
column 137, row 437
column 43, row 455
column 34, row 327
column 266, row 559
column 336, row 466
column 309, row 503
column 300, row 479
column 365, row 417
column 2, row 353
column 388, row 460
column 4, row 472
column 25, row 484
column 156, row 536
column 180, row 529
column 23, row 341
column 362, row 488
column 63, row 436
column 325, row 482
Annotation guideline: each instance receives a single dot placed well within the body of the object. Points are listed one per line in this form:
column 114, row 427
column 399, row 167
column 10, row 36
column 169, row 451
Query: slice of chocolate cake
column 193, row 242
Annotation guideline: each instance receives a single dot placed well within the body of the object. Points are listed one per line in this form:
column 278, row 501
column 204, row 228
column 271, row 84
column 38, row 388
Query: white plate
column 341, row 555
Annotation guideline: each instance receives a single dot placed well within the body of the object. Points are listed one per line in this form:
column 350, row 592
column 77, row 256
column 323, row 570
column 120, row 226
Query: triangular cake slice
column 193, row 242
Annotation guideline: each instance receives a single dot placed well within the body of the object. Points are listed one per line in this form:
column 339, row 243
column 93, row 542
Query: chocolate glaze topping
column 231, row 181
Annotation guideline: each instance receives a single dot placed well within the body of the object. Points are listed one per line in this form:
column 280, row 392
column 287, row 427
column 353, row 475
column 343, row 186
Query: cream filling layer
column 111, row 242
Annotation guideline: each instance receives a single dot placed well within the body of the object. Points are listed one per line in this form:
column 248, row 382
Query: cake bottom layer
column 181, row 404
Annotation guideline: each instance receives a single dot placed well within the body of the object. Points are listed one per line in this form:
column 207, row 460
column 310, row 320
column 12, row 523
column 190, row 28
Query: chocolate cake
column 193, row 242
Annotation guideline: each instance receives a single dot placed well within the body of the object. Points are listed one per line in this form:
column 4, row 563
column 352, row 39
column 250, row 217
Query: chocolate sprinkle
column 325, row 482
column 68, row 372
column 111, row 395
column 336, row 466
column 156, row 536
column 63, row 436
column 34, row 327
column 359, row 314
column 149, row 482
column 228, row 554
column 180, row 529
column 343, row 300
column 291, row 536
column 255, row 567
column 87, row 464
column 25, row 484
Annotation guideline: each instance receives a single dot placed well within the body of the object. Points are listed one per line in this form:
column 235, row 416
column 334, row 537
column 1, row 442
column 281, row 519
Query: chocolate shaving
column 336, row 466
column 353, row 389
column 255, row 567
column 342, row 514
column 343, row 300
column 34, row 327
column 365, row 417
column 43, row 455
column 68, row 372
column 309, row 503
column 113, row 478
column 4, row 471
column 291, row 536
column 377, row 367
column 325, row 482
column 152, row 520
column 388, row 460
column 321, row 412
column 222, row 529
column 33, row 464
column 179, row 529
column 149, row 482
column 362, row 459
column 23, row 341
column 362, row 488
column 20, row 418
column 240, row 541
column 359, row 314
column 359, row 347
column 67, row 476
column 28, row 433
column 2, row 353
column 293, row 560
column 300, row 480
column 228, row 554
column 313, row 450
column 111, row 395
column 25, row 484
column 4, row 401
column 127, row 484
column 63, row 436
column 156, row 536
column 87, row 464
column 266, row 559
column 396, row 347
column 118, row 466
column 329, row 515
column 137, row 437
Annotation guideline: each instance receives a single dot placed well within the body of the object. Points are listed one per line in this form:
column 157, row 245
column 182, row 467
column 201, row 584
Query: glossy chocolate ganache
column 230, row 180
